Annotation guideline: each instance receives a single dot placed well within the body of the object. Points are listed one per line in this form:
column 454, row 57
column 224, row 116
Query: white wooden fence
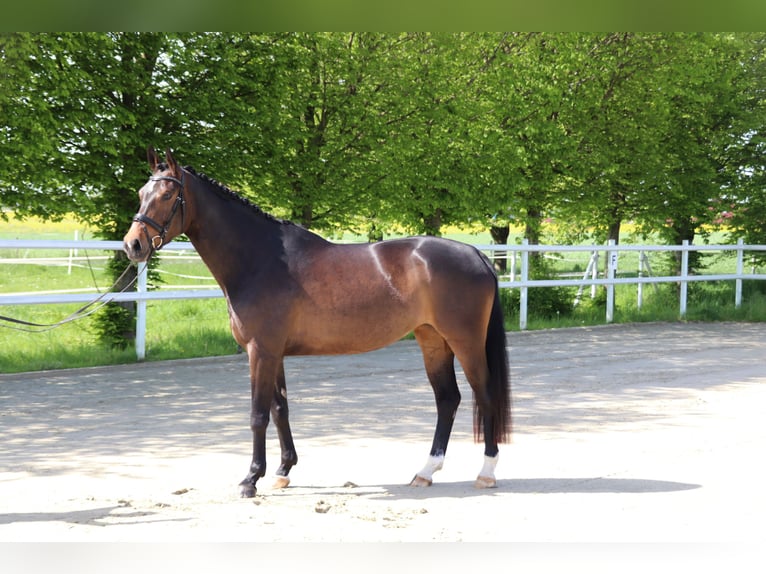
column 612, row 252
column 517, row 278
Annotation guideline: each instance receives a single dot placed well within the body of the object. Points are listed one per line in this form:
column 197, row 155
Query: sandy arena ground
column 638, row 433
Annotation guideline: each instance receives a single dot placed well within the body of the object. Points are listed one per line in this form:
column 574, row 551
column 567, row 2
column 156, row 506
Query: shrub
column 542, row 302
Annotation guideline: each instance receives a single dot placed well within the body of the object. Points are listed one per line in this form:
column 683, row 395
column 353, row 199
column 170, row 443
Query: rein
column 81, row 313
column 155, row 242
column 158, row 241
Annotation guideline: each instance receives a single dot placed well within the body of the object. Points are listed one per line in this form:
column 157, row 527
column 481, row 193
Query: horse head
column 162, row 199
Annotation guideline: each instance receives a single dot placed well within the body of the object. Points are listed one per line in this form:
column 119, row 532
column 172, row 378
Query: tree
column 432, row 129
column 528, row 84
column 709, row 107
column 618, row 121
column 283, row 117
column 742, row 204
column 655, row 120
column 371, row 131
column 322, row 169
column 88, row 100
column 80, row 110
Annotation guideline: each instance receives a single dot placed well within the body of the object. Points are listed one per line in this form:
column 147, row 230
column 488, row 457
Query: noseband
column 158, row 241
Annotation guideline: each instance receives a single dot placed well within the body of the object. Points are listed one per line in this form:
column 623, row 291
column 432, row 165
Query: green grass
column 175, row 329
column 706, row 302
column 197, row 328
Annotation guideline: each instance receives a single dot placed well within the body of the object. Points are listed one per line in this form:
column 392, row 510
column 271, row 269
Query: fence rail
column 516, row 256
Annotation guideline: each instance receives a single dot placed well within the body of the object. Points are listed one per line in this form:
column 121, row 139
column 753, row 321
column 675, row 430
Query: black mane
column 228, row 193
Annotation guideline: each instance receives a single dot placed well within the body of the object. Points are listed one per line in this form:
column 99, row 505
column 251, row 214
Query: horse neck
column 220, row 226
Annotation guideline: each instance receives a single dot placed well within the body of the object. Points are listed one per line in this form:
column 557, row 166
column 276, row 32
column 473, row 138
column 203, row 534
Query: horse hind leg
column 477, row 372
column 486, row 478
column 495, row 403
column 440, row 367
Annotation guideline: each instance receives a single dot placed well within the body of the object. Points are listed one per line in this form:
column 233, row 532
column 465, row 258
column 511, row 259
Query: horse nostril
column 133, row 247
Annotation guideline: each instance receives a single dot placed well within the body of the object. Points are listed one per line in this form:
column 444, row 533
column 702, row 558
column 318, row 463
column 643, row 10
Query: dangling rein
column 156, row 245
column 79, row 314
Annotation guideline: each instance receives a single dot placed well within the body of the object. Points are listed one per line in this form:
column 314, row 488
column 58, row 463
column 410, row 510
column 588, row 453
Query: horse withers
column 291, row 292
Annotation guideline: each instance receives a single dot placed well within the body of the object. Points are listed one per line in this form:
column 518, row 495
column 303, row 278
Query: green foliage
column 355, row 130
column 372, row 132
column 115, row 326
column 544, row 302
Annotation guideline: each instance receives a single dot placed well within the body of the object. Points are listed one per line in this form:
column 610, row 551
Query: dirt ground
column 637, row 433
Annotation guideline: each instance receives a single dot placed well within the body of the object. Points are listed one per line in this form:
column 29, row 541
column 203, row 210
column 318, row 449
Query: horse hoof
column 281, row 482
column 247, row 490
column 420, row 481
column 485, row 482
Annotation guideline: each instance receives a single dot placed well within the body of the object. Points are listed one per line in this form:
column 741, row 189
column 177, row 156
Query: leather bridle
column 158, row 241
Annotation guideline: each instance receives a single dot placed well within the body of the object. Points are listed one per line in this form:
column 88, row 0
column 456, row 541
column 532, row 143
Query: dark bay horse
column 291, row 292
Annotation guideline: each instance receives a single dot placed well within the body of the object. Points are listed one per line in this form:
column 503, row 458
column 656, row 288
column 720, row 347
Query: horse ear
column 151, row 157
column 172, row 164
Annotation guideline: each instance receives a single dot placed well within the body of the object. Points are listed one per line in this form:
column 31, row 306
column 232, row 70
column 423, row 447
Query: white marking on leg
column 486, row 478
column 490, row 462
column 434, row 463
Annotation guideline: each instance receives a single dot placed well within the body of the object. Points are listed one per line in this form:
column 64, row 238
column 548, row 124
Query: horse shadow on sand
column 520, row 486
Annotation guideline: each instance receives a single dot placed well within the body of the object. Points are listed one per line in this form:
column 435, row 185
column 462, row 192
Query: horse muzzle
column 137, row 247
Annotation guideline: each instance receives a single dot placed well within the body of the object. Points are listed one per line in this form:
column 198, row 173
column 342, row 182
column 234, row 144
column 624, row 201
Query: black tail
column 499, row 384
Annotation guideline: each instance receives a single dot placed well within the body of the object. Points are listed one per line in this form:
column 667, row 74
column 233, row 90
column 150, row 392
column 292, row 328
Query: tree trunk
column 613, row 234
column 374, row 234
column 684, row 229
column 303, row 214
column 432, row 222
column 532, row 232
column 532, row 226
column 500, row 235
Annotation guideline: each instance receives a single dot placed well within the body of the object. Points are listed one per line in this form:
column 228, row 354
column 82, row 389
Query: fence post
column 141, row 314
column 594, row 274
column 640, row 295
column 684, row 275
column 512, row 266
column 591, row 270
column 72, row 253
column 740, row 268
column 611, row 267
column 523, row 289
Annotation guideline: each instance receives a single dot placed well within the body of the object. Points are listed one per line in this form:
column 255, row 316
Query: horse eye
column 167, row 195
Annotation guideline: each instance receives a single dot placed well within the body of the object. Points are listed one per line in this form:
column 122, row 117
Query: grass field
column 195, row 328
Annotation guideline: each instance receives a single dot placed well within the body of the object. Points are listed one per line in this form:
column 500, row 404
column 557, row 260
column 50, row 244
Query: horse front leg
column 263, row 375
column 280, row 414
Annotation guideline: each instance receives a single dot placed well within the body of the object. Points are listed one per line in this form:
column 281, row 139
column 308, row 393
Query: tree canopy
column 369, row 131
column 372, row 132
